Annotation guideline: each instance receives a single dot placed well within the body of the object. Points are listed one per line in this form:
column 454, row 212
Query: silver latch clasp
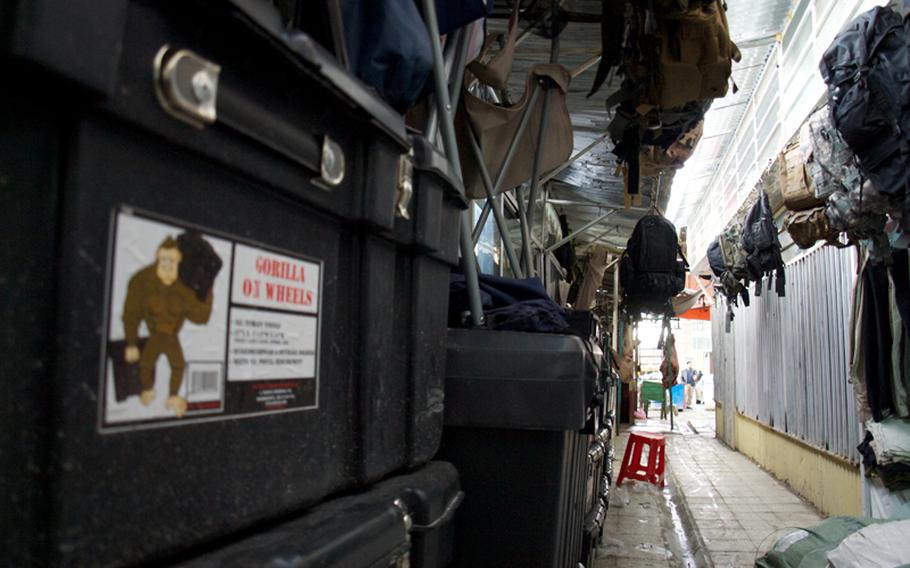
column 187, row 85
column 405, row 189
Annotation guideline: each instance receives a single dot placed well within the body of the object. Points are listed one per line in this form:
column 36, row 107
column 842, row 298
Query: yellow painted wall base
column 719, row 421
column 832, row 484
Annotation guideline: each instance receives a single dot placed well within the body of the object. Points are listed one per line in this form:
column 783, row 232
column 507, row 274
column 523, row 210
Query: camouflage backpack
column 862, row 214
column 830, row 163
column 734, row 254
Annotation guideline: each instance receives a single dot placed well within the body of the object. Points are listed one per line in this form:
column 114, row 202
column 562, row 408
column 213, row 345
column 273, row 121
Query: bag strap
column 495, row 72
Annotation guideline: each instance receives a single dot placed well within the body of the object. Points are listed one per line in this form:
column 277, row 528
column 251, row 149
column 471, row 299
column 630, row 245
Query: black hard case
column 407, row 517
column 518, row 410
column 82, row 136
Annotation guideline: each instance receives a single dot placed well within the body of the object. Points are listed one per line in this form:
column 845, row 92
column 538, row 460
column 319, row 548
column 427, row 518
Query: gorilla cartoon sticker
column 202, row 326
column 159, row 298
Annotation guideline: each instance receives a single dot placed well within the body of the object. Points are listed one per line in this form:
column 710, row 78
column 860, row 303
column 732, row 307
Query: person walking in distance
column 690, row 378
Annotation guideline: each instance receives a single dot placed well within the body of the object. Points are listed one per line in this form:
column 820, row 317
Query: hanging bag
column 759, row 240
column 795, row 185
column 494, row 71
column 495, row 125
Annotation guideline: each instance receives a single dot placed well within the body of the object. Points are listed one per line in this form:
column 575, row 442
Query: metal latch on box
column 187, row 86
column 405, row 189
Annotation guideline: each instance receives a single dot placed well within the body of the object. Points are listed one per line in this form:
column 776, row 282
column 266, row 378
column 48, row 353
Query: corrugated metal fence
column 785, row 361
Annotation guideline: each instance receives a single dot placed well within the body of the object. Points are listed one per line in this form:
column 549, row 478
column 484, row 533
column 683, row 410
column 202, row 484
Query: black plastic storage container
column 407, row 278
column 405, row 520
column 519, row 408
column 198, row 211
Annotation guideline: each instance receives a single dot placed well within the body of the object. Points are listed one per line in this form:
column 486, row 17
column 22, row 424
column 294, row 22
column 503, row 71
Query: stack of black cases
column 525, row 427
column 223, row 270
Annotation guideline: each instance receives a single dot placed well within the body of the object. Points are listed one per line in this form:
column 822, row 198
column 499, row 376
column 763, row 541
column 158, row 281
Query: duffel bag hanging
column 811, row 226
column 656, row 160
column 795, row 185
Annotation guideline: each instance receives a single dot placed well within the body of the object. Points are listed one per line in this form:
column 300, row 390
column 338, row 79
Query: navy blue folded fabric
column 509, row 304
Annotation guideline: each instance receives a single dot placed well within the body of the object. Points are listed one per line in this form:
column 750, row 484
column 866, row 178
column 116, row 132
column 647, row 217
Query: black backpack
column 762, row 246
column 725, row 282
column 653, row 269
column 867, row 69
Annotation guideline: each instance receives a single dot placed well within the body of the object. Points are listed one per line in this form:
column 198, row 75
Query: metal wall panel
column 785, row 361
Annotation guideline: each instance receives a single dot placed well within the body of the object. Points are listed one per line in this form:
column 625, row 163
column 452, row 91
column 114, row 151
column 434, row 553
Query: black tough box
column 300, row 352
column 405, row 520
column 523, row 426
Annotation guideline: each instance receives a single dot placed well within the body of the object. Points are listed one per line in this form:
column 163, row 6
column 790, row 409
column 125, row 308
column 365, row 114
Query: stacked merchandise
column 850, row 169
column 858, row 157
column 676, row 58
column 886, row 452
column 844, row 180
column 841, row 542
column 748, row 252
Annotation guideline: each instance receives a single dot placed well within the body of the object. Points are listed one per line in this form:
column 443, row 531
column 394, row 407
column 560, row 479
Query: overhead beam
column 559, row 169
column 526, row 33
column 571, row 17
column 586, row 65
column 577, row 232
column 756, row 41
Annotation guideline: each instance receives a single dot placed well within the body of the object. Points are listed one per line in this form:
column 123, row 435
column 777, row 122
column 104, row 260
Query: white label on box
column 203, row 327
column 270, row 280
column 267, row 345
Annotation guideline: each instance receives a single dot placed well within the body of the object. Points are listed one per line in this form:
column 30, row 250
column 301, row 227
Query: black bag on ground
column 867, row 69
column 652, row 270
column 762, row 245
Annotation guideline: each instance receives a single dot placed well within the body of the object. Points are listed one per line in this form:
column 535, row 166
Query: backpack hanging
column 652, row 269
column 811, row 226
column 759, row 240
column 867, row 69
column 830, row 163
column 678, row 53
column 795, row 185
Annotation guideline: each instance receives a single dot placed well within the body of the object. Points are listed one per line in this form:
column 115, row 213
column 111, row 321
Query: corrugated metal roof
column 592, row 183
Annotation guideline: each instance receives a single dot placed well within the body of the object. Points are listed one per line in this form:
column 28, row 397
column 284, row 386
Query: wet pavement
column 718, row 508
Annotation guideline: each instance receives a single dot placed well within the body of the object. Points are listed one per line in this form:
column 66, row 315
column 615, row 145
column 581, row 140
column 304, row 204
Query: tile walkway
column 717, row 504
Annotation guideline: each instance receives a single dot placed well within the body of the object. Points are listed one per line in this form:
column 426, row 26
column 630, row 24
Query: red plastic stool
column 632, row 468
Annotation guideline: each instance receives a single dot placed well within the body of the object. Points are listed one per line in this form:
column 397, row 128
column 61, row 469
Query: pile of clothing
column 886, row 451
column 842, row 542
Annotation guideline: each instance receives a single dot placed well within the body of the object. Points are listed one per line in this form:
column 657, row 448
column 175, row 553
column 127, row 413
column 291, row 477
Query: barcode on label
column 205, row 381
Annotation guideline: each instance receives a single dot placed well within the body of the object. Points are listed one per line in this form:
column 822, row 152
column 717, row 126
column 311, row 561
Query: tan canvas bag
column 494, row 71
column 496, row 125
column 796, row 186
column 696, row 56
column 808, row 227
